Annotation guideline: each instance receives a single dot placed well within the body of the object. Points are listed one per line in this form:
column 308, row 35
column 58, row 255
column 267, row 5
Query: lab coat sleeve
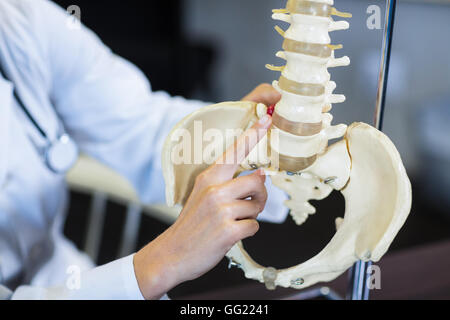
column 113, row 281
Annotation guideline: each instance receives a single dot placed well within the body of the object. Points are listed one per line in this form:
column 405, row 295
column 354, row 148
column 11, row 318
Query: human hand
column 219, row 212
column 264, row 93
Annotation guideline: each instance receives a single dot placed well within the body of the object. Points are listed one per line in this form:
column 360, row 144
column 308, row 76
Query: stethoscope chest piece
column 61, row 155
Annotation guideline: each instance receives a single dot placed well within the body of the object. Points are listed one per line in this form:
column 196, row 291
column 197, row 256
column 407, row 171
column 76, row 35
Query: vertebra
column 301, row 115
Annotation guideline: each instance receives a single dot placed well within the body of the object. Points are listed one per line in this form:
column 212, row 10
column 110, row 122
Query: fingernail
column 264, row 119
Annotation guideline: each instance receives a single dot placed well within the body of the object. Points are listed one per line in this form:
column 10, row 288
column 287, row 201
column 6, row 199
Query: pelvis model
column 364, row 165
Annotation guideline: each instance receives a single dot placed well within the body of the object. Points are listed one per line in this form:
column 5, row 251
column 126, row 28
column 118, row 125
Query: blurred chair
column 90, row 176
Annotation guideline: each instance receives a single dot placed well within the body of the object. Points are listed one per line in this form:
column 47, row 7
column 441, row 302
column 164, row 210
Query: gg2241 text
column 238, row 309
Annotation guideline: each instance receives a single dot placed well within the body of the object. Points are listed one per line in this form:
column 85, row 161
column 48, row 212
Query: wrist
column 153, row 272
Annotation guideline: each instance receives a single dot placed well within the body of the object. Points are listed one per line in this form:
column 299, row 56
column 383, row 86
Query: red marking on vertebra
column 270, row 109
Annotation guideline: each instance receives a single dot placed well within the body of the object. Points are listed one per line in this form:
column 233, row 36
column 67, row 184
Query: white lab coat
column 68, row 78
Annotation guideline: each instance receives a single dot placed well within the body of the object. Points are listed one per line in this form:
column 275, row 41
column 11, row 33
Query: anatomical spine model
column 364, row 166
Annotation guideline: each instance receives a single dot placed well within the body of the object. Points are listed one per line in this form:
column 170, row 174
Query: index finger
column 229, row 162
column 264, row 93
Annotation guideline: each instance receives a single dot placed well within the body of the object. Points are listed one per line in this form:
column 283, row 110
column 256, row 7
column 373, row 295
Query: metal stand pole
column 358, row 281
column 359, row 272
column 385, row 62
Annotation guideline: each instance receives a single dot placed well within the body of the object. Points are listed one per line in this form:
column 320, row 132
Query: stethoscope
column 59, row 155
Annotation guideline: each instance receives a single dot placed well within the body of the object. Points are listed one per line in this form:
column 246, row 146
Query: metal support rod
column 359, row 289
column 359, row 272
column 385, row 62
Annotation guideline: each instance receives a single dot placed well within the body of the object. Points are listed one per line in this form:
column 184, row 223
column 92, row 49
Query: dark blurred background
column 215, row 50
